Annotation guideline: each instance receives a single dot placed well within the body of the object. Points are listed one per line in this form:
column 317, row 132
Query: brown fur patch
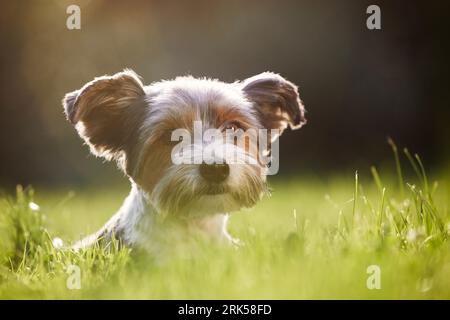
column 108, row 112
column 277, row 101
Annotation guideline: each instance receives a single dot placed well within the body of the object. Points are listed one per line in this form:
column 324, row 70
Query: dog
column 122, row 120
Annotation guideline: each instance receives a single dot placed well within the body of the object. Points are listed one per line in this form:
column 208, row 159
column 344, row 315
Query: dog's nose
column 214, row 172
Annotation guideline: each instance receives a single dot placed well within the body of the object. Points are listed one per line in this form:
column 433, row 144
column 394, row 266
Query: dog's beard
column 182, row 191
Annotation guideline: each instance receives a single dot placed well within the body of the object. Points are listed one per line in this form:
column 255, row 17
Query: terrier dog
column 120, row 119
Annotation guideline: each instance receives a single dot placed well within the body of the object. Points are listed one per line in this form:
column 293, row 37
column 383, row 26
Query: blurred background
column 359, row 86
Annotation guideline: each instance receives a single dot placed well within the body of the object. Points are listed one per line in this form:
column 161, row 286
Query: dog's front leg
column 214, row 227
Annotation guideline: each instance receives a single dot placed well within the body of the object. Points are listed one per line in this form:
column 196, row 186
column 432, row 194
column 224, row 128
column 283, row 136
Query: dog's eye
column 234, row 126
column 174, row 142
column 166, row 138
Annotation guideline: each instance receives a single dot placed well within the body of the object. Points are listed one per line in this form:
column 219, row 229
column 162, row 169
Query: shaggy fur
column 123, row 120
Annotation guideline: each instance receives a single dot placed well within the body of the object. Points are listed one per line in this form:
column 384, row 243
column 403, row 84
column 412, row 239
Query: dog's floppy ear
column 106, row 112
column 276, row 100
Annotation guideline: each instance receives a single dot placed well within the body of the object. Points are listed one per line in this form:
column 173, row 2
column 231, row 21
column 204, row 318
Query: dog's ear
column 276, row 100
column 106, row 112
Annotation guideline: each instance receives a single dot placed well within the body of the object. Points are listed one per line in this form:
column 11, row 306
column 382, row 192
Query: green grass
column 311, row 239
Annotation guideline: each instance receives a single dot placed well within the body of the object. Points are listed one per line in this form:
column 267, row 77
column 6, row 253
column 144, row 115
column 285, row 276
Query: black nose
column 214, row 172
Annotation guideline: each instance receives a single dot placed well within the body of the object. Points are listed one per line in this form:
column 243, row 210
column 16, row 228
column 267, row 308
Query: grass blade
column 376, row 178
column 355, row 197
column 398, row 167
column 424, row 175
column 414, row 165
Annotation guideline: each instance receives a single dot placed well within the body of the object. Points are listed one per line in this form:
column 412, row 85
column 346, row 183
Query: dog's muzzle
column 214, row 173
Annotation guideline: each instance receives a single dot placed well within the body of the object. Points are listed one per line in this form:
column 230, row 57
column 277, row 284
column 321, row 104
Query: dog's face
column 145, row 128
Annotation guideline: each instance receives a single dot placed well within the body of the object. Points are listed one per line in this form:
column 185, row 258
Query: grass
column 311, row 239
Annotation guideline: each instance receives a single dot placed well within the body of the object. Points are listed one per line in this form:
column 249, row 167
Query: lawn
column 314, row 238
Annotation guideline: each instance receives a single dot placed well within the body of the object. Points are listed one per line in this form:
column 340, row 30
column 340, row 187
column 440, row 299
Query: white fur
column 141, row 226
column 181, row 205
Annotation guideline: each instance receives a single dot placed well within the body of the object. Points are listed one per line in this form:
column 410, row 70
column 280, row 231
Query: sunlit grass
column 311, row 239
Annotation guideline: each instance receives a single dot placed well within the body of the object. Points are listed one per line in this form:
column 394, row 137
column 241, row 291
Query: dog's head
column 193, row 145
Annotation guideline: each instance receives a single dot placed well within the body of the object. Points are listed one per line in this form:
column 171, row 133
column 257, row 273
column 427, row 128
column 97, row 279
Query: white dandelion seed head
column 57, row 243
column 33, row 206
